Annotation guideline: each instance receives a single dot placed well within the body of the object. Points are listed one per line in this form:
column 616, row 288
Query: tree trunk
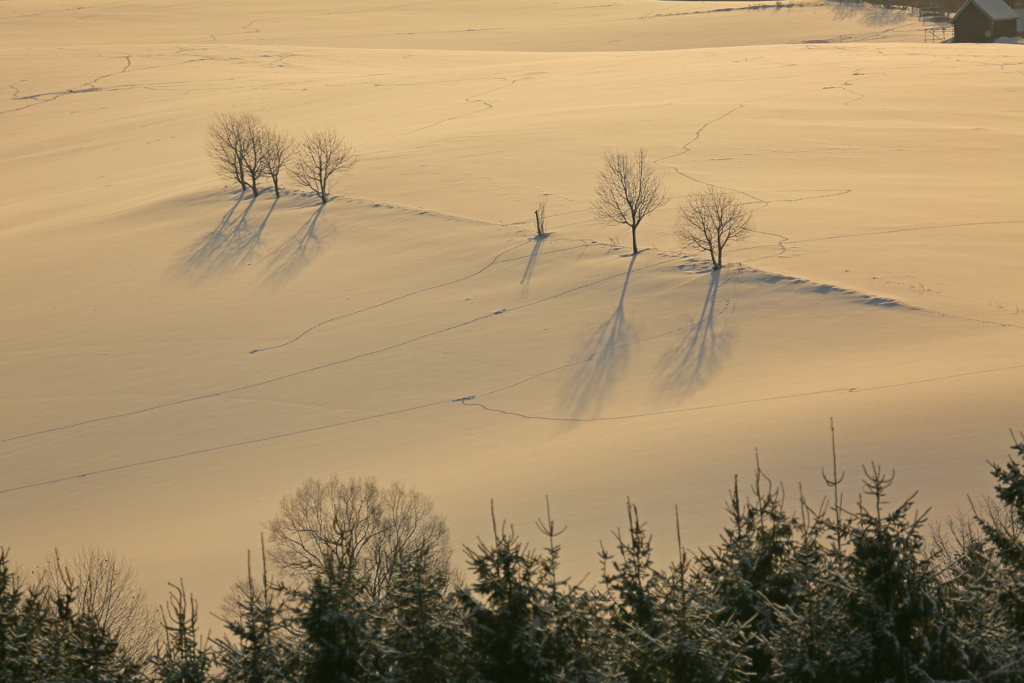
column 634, row 238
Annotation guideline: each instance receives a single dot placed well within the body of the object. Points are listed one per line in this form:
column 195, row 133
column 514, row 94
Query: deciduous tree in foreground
column 709, row 220
column 358, row 526
column 319, row 155
column 107, row 590
column 628, row 190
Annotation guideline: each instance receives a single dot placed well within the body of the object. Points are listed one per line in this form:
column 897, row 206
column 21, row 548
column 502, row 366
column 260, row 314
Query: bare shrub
column 540, row 216
column 628, row 190
column 708, row 220
column 319, row 155
column 370, row 530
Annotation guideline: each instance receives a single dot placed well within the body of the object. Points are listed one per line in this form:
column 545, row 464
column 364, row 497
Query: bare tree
column 108, row 591
column 255, row 135
column 239, row 144
column 183, row 655
column 628, row 190
column 710, row 219
column 226, row 145
column 320, row 155
column 278, row 148
column 373, row 531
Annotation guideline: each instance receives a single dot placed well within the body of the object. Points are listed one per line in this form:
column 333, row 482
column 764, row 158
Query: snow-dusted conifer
column 260, row 648
column 184, row 655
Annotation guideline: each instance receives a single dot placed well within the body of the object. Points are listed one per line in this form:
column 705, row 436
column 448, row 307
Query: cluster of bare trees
column 247, row 150
column 629, row 189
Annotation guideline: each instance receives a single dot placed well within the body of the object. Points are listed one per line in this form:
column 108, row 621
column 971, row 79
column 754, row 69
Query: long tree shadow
column 600, row 362
column 688, row 365
column 532, row 261
column 295, row 253
column 232, row 243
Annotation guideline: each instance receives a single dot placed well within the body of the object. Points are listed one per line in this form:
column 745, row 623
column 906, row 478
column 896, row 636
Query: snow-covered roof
column 996, row 10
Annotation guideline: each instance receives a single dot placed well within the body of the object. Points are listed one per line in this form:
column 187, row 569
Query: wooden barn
column 982, row 21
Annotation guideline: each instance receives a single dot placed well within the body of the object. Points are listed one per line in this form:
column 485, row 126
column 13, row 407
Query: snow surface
column 175, row 358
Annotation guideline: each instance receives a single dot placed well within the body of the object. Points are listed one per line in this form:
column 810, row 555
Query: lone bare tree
column 374, row 532
column 628, row 190
column 319, row 155
column 710, row 219
column 238, row 144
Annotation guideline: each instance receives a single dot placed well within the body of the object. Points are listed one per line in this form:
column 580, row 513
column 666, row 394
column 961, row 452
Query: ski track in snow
column 47, row 97
column 323, row 366
column 472, row 99
column 470, row 401
column 494, row 261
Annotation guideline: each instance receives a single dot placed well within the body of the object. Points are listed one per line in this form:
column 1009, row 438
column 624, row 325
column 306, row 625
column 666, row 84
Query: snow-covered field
column 175, row 358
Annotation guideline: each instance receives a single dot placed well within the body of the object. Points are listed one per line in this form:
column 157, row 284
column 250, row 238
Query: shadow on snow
column 231, row 244
column 689, row 364
column 601, row 362
column 295, row 253
column 532, row 261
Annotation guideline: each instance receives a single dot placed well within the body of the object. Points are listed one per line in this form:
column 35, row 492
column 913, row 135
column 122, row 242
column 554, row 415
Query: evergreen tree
column 418, row 632
column 752, row 573
column 507, row 623
column 261, row 650
column 632, row 590
column 15, row 643
column 816, row 642
column 666, row 625
column 1006, row 539
column 894, row 591
column 697, row 642
column 183, row 656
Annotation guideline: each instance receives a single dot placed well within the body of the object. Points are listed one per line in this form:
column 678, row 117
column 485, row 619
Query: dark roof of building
column 996, row 10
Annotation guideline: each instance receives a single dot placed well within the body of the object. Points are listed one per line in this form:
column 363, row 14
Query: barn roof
column 996, row 10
